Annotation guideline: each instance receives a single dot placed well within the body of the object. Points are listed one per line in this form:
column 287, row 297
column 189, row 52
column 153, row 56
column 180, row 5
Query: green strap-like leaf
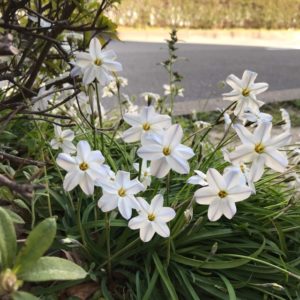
column 164, row 276
column 52, row 268
column 23, row 296
column 37, row 243
column 8, row 244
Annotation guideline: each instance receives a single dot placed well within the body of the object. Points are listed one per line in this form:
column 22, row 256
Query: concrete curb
column 206, row 105
column 287, row 39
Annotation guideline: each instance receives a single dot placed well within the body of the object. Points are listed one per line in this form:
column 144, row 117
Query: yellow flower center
column 259, row 148
column 246, row 92
column 151, row 217
column 146, row 126
column 60, row 140
column 222, row 194
column 121, row 192
column 98, row 62
column 145, row 174
column 242, row 167
column 166, row 151
column 83, row 166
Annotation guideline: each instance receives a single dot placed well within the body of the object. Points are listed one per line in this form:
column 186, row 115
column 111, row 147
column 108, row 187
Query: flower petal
column 88, row 74
column 215, row 180
column 215, row 210
column 159, row 168
column 132, row 134
column 72, row 179
column 244, row 134
column 178, row 164
column 239, row 193
column 95, row 48
column 276, row 160
column 87, row 184
column 137, row 222
column 205, row 195
column 165, row 214
column 257, row 168
column 161, row 228
column 151, row 152
column 229, row 208
column 173, row 136
column 108, row 202
column 83, row 151
column 157, row 203
column 147, row 232
column 66, row 161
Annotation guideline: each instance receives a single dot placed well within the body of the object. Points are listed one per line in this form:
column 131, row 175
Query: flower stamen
column 151, row 217
column 222, row 194
column 122, row 192
column 146, row 126
column 166, row 151
column 259, row 148
column 83, row 166
column 246, row 92
column 98, row 62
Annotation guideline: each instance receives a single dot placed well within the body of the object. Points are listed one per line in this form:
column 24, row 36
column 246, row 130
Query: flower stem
column 100, row 117
column 107, row 234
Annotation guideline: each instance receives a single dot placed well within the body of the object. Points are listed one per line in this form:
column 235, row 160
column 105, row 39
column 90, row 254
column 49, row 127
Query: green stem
column 100, row 118
column 107, row 234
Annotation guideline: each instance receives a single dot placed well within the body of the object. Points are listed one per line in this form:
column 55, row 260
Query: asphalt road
column 205, row 66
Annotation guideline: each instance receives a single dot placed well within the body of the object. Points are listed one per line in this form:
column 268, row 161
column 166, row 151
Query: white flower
column 227, row 121
column 41, row 21
column 144, row 123
column 286, row 118
column 173, row 89
column 97, row 64
column 120, row 193
column 260, row 149
column 63, row 139
column 165, row 152
column 150, row 96
column 152, row 218
column 256, row 118
column 84, row 169
column 111, row 88
column 200, row 178
column 244, row 92
column 221, row 194
column 202, row 124
column 40, row 102
column 145, row 172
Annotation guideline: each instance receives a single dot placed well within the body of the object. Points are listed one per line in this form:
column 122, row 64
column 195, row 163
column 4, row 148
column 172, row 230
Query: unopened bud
column 188, row 214
column 9, row 282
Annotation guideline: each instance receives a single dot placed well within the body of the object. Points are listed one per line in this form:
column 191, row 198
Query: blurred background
column 216, row 38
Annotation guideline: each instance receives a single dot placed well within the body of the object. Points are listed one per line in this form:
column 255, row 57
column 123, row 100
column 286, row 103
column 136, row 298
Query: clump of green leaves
column 28, row 264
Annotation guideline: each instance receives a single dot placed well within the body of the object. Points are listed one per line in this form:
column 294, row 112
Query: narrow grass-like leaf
column 230, row 288
column 164, row 276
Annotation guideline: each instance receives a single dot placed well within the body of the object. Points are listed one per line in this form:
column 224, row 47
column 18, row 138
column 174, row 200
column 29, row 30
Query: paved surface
column 206, row 66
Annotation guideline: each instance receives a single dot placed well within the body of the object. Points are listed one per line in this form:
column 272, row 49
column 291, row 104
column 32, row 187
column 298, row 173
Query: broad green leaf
column 53, row 268
column 37, row 243
column 8, row 244
column 23, row 296
column 15, row 217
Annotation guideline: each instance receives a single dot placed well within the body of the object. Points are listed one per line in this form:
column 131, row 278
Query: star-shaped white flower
column 173, row 89
column 260, row 149
column 97, row 64
column 152, row 218
column 63, row 139
column 244, row 92
column 148, row 96
column 199, row 179
column 120, row 193
column 256, row 118
column 145, row 172
column 40, row 102
column 146, row 122
column 84, row 169
column 165, row 152
column 221, row 193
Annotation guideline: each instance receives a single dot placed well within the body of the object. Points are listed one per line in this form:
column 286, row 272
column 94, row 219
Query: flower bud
column 9, row 282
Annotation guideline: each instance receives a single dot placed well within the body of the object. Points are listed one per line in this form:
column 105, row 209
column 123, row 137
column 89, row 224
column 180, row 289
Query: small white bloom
column 173, row 89
column 202, row 124
column 120, row 193
column 165, row 152
column 152, row 218
column 40, row 102
column 144, row 123
column 199, row 179
column 145, row 172
column 260, row 149
column 221, row 194
column 84, row 169
column 150, row 96
column 41, row 21
column 286, row 118
column 244, row 92
column 97, row 64
column 256, row 118
column 227, row 121
column 63, row 139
